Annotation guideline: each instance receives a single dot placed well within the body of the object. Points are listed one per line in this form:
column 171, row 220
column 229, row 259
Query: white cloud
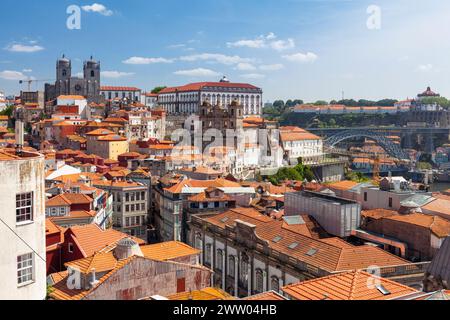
column 271, row 67
column 425, row 67
column 301, row 57
column 12, row 75
column 199, row 72
column 142, row 60
column 24, row 48
column 216, row 57
column 27, row 70
column 253, row 76
column 98, row 8
column 256, row 44
column 115, row 74
column 245, row 66
column 281, row 45
column 264, row 41
column 271, row 36
column 176, row 46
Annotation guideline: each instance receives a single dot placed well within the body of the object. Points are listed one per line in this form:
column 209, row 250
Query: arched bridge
column 394, row 150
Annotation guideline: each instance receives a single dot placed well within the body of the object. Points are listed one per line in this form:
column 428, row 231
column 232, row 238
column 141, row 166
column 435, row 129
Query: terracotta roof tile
column 93, row 239
column 356, row 285
column 266, row 296
column 202, row 295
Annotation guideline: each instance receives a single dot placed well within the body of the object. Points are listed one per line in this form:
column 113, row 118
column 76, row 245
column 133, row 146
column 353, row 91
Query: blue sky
column 307, row 49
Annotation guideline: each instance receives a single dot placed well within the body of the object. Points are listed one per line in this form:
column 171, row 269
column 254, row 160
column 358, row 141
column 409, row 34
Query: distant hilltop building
column 189, row 98
column 88, row 86
column 427, row 94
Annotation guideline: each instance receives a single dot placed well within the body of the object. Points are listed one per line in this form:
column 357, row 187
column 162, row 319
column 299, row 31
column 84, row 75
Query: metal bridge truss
column 394, row 150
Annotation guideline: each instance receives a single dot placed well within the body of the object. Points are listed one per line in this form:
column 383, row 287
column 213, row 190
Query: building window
column 259, row 287
column 70, row 247
column 390, row 202
column 25, row 268
column 92, row 73
column 231, row 266
column 244, row 269
column 219, row 260
column 275, row 284
column 365, row 196
column 24, row 207
column 208, row 253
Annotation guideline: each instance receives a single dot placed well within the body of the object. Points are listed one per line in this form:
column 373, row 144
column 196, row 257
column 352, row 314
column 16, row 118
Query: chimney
column 94, row 278
column 19, row 137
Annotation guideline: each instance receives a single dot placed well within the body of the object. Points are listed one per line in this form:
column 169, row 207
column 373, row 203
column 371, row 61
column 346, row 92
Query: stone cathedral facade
column 66, row 84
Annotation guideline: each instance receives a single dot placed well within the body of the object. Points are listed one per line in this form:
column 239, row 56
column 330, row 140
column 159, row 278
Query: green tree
column 424, row 166
column 7, row 111
column 279, row 104
column 443, row 102
column 158, row 89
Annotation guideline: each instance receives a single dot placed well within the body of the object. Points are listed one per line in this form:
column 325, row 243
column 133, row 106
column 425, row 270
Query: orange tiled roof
column 100, row 132
column 78, row 176
column 92, row 239
column 343, row 185
column 112, row 88
column 68, row 199
column 115, row 184
column 356, row 285
column 202, row 295
column 200, row 85
column 298, row 136
column 378, row 213
column 50, row 227
column 71, row 97
column 218, row 183
column 202, row 197
column 438, row 205
column 437, row 225
column 266, row 296
column 170, row 250
column 112, row 137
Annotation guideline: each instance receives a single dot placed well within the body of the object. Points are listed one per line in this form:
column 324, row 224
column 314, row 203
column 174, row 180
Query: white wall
column 19, row 176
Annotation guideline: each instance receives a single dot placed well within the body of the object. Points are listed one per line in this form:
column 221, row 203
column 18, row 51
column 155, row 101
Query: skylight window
column 383, row 290
column 293, row 245
column 311, row 252
column 223, row 220
column 277, row 239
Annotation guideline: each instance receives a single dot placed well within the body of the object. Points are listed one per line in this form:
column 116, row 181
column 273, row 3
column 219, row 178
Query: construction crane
column 30, row 81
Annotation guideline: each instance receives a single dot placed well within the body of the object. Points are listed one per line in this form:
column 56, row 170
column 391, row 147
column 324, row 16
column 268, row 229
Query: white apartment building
column 2, row 101
column 150, row 100
column 130, row 93
column 188, row 98
column 22, row 227
column 299, row 143
column 74, row 100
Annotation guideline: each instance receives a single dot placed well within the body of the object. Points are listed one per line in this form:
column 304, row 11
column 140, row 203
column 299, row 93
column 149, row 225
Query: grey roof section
column 417, row 200
column 440, row 266
column 358, row 187
column 293, row 220
column 438, row 295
